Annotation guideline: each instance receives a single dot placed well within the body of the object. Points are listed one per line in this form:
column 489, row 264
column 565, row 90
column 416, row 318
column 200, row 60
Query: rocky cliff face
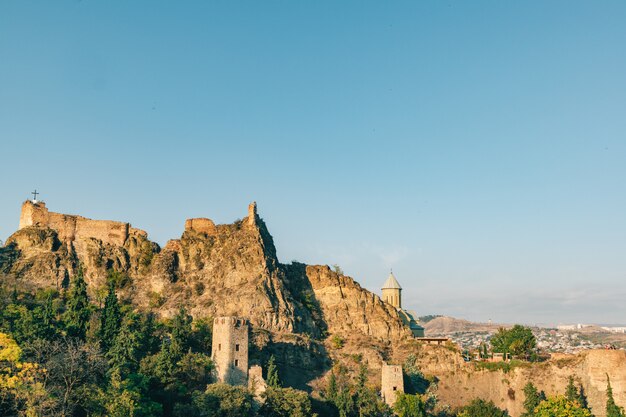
column 215, row 270
column 459, row 382
column 295, row 309
column 36, row 258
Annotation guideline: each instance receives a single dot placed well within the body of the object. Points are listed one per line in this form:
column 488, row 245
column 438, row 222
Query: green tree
column 47, row 318
column 560, row 406
column 519, row 341
column 273, row 380
column 409, row 405
column 415, row 381
column 148, row 340
column 181, row 333
column 532, row 399
column 122, row 398
column 202, row 334
column 340, row 391
column 123, row 354
column 344, row 401
column 219, row 400
column 78, row 310
column 20, row 322
column 482, row 408
column 194, row 371
column 582, row 397
column 119, row 401
column 612, row 409
column 366, row 400
column 331, row 388
column 110, row 320
column 286, row 402
column 571, row 393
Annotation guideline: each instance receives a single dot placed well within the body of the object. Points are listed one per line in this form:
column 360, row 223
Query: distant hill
column 445, row 325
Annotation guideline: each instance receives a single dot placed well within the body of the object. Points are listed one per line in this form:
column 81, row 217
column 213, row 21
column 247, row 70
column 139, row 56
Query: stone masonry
column 256, row 383
column 230, row 350
column 392, row 383
column 71, row 227
column 201, row 225
column 252, row 214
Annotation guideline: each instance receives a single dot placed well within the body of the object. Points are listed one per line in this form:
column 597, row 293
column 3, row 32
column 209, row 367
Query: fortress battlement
column 70, row 227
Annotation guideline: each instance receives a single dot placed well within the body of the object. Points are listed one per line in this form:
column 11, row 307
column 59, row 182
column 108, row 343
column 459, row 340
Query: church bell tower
column 392, row 291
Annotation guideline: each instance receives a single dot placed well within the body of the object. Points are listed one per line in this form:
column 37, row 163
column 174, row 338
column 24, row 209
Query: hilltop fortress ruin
column 71, row 227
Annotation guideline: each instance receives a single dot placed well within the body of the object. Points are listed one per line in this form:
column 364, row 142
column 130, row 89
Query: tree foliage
column 353, row 397
column 612, row 409
column 273, row 381
column 560, row 406
column 482, row 408
column 285, row 402
column 78, row 309
column 519, row 341
column 532, row 399
column 110, row 320
column 409, row 405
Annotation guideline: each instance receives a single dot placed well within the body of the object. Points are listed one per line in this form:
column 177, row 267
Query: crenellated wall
column 71, row 227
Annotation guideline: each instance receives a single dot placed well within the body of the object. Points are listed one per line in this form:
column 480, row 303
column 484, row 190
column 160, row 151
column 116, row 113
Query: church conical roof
column 391, row 283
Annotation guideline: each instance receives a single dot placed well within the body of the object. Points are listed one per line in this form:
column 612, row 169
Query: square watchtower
column 392, row 382
column 230, row 349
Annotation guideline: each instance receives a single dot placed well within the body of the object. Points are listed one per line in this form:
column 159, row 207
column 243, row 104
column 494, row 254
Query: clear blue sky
column 478, row 148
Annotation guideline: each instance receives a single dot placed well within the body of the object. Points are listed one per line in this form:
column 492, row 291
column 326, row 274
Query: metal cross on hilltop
column 34, row 193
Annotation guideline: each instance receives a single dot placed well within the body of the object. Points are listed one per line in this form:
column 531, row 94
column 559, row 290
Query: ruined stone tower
column 251, row 220
column 230, row 350
column 392, row 291
column 392, row 383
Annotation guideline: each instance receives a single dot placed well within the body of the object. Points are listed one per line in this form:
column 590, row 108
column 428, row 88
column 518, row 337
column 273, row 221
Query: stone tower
column 392, row 383
column 34, row 214
column 252, row 215
column 230, row 350
column 392, row 292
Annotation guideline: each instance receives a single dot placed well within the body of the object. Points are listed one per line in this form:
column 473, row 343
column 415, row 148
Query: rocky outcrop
column 42, row 260
column 295, row 310
column 344, row 305
column 459, row 382
column 216, row 270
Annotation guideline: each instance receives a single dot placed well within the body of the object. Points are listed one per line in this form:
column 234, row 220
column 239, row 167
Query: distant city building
column 392, row 294
column 614, row 329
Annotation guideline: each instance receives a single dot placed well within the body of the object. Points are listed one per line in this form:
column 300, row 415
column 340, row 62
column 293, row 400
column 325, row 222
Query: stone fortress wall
column 208, row 227
column 230, row 350
column 71, row 227
column 392, row 382
column 201, row 225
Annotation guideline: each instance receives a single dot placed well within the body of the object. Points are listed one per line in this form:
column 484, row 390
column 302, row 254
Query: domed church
column 392, row 294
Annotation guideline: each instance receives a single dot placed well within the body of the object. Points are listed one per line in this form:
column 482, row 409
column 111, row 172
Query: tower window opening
column 236, row 348
column 219, row 347
column 236, row 362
